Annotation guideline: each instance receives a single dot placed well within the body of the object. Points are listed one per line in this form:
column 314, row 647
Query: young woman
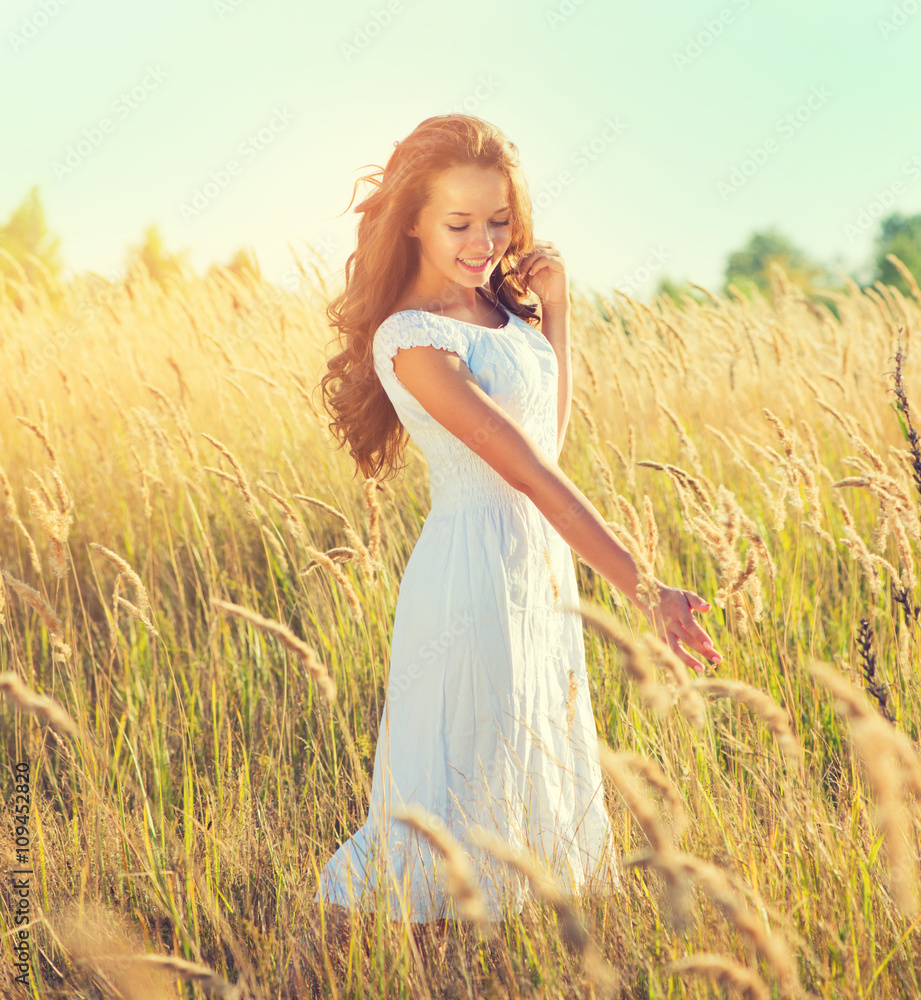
column 487, row 720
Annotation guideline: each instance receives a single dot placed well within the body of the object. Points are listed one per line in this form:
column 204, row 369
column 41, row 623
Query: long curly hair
column 385, row 262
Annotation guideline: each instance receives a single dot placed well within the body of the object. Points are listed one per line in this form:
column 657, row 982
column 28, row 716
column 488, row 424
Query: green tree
column 160, row 263
column 748, row 268
column 899, row 235
column 25, row 236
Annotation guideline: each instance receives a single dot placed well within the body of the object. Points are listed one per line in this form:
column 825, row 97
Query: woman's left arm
column 545, row 273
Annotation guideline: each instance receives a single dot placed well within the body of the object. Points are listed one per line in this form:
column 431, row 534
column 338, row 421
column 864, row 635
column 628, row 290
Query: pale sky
column 670, row 117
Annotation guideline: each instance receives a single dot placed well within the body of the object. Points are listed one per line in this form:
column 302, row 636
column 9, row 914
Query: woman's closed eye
column 460, row 229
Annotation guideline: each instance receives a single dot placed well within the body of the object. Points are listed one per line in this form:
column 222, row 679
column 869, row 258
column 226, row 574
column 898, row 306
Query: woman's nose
column 482, row 243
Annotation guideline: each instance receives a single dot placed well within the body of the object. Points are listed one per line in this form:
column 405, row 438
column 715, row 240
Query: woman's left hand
column 544, row 272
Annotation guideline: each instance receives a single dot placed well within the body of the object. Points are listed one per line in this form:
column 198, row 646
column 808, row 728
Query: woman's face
column 465, row 228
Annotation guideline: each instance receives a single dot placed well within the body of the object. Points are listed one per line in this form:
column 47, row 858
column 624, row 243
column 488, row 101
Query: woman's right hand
column 675, row 624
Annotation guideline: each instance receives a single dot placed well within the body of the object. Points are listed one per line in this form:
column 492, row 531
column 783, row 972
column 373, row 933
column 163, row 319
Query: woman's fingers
column 696, row 602
column 695, row 636
column 683, row 654
column 676, row 627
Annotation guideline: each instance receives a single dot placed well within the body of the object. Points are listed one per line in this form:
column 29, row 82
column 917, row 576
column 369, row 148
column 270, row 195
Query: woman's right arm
column 447, row 390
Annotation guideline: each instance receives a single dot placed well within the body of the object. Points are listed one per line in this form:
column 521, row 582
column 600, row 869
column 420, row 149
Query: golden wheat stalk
column 9, row 499
column 13, row 515
column 859, row 552
column 374, row 518
column 763, row 705
column 194, row 972
column 174, row 410
column 906, row 274
column 631, row 536
column 631, row 517
column 633, row 657
column 602, row 469
column 253, row 507
column 572, row 930
column 662, row 855
column 136, row 612
column 333, row 569
column 896, row 503
column 631, row 448
column 44, row 610
column 874, row 736
column 686, row 444
column 281, row 632
column 289, row 513
column 720, row 536
column 55, row 521
column 145, row 491
column 654, row 775
column 258, row 374
column 41, row 435
column 638, row 803
column 46, row 709
column 590, row 369
column 620, row 458
column 461, row 882
column 774, row 948
column 113, row 624
column 652, row 532
column 725, row 971
column 227, row 476
column 906, row 556
column 143, row 602
column 845, row 423
column 835, row 381
column 589, row 420
column 676, row 669
column 689, row 489
column 369, row 564
column 342, row 552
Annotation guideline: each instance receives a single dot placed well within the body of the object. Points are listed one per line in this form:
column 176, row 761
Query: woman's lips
column 475, row 270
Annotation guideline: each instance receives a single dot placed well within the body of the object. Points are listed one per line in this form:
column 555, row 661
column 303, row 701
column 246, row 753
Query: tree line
column 28, row 250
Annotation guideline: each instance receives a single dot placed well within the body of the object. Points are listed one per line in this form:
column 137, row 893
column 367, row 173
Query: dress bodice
column 515, row 366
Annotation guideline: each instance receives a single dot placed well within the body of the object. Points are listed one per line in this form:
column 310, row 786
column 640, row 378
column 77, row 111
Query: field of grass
column 189, row 776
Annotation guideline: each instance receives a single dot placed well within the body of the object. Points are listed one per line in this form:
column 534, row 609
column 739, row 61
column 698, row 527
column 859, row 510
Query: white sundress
column 487, row 719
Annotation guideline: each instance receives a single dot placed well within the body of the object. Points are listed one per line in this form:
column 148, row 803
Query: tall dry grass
column 195, row 760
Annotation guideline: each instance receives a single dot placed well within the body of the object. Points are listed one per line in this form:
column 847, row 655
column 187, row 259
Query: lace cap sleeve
column 416, row 328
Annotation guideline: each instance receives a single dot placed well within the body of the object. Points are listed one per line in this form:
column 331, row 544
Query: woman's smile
column 476, row 265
